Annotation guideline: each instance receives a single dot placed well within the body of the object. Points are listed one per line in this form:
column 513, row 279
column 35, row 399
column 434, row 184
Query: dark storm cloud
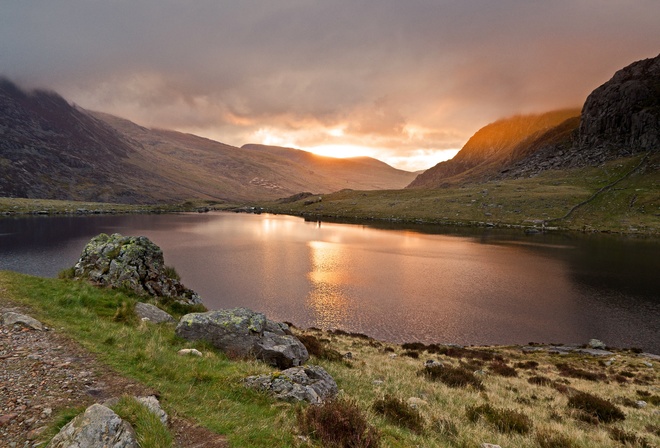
column 391, row 74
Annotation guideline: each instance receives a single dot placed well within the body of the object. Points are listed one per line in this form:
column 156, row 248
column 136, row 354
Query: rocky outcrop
column 244, row 333
column 623, row 115
column 308, row 383
column 97, row 427
column 133, row 263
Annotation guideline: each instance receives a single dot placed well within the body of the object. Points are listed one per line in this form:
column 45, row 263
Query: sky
column 407, row 81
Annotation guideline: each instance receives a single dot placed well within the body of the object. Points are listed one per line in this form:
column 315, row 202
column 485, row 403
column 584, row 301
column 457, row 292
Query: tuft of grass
column 505, row 420
column 61, row 419
column 317, row 348
column 546, row 439
column 539, row 380
column 452, row 376
column 67, row 274
column 411, row 354
column 338, row 423
column 170, row 272
column 445, row 427
column 150, row 431
column 528, row 365
column 649, row 397
column 125, row 313
column 400, row 413
column 596, row 407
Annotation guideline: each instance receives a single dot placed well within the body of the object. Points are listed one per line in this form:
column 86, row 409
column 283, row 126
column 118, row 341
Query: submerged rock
column 134, row 263
column 244, row 333
column 307, row 383
column 97, row 427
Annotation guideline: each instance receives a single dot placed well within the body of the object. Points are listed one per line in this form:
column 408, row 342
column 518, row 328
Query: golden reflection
column 327, row 298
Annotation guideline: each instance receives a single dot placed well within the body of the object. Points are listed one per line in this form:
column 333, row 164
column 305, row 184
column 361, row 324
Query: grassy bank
column 631, row 205
column 514, row 398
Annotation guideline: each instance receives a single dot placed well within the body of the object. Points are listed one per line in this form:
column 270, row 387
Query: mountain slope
column 492, row 148
column 50, row 149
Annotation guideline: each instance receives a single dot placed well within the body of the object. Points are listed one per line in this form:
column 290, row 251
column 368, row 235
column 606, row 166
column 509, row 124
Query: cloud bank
column 408, row 82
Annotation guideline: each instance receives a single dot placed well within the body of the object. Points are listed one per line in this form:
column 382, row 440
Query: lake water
column 468, row 286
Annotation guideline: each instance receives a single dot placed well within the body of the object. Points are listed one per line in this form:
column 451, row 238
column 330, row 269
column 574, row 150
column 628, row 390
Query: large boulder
column 306, row 383
column 97, row 427
column 134, row 263
column 244, row 333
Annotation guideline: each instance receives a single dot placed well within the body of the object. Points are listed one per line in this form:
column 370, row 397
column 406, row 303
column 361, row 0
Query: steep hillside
column 50, row 149
column 492, row 148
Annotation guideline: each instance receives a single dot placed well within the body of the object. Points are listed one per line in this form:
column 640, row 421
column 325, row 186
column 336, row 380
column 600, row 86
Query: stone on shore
column 243, row 333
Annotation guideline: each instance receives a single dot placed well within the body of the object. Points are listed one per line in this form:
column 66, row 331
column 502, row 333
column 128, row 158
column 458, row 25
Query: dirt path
column 43, row 372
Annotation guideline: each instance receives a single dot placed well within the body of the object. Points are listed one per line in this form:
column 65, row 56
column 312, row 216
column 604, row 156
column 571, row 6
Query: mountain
column 620, row 118
column 51, row 149
column 492, row 148
column 365, row 173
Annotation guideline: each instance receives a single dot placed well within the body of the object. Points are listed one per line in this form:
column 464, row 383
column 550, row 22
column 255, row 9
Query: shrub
column 539, row 380
column 411, row 354
column 596, row 407
column 418, row 346
column 628, row 438
column 505, row 420
column 452, row 376
column 573, row 372
column 339, row 423
column 648, row 397
column 529, row 365
column 316, row 348
column 502, row 369
column 400, row 413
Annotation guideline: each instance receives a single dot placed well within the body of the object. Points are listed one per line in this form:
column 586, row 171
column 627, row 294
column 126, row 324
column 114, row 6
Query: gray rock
column 595, row 343
column 153, row 405
column 489, row 445
column 244, row 333
column 189, row 352
column 432, row 363
column 134, row 263
column 307, row 383
column 153, row 313
column 640, row 404
column 10, row 318
column 97, row 427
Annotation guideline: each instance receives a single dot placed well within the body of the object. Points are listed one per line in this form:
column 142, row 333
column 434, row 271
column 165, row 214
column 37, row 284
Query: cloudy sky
column 405, row 81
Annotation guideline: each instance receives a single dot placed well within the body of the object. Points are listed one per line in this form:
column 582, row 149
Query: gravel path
column 43, row 372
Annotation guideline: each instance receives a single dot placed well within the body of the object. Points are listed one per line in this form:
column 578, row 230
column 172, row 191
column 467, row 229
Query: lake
column 399, row 284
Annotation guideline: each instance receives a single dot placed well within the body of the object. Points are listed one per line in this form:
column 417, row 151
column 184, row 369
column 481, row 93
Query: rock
column 189, row 352
column 647, row 364
column 432, row 363
column 153, row 405
column 97, row 427
column 595, row 343
column 416, row 402
column 624, row 113
column 244, row 333
column 36, row 432
column 4, row 419
column 307, row 383
column 10, row 318
column 153, row 313
column 134, row 263
column 640, row 404
column 489, row 445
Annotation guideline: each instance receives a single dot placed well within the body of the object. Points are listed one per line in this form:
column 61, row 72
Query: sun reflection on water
column 326, row 297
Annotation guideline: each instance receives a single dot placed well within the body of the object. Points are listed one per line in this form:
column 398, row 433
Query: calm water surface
column 396, row 284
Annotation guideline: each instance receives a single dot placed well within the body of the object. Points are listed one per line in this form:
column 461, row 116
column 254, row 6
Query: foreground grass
column 631, row 206
column 521, row 400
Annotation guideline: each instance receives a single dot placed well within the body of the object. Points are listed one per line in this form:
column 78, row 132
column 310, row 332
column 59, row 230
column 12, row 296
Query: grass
column 151, row 433
column 208, row 390
column 632, row 206
column 399, row 413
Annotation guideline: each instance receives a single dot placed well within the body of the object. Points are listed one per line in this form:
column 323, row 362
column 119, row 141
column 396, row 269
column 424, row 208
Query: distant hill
column 621, row 118
column 50, row 149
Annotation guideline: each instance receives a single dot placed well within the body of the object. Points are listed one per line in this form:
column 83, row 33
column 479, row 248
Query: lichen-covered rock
column 152, row 403
column 97, row 427
column 306, row 383
column 134, row 263
column 244, row 333
column 153, row 313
